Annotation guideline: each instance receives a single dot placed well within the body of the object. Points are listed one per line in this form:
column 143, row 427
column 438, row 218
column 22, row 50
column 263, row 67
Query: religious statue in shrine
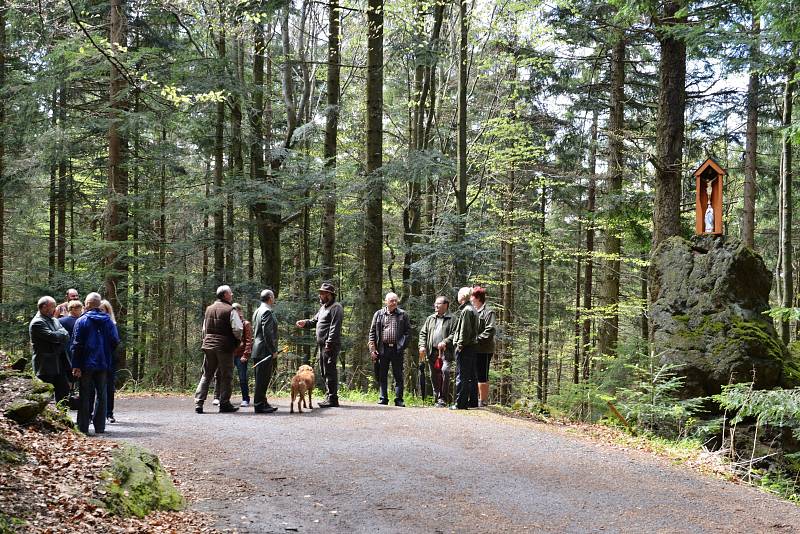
column 708, row 218
column 708, row 198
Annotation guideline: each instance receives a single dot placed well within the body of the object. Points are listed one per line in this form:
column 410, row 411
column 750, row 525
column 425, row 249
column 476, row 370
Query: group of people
column 75, row 342
column 229, row 340
column 464, row 339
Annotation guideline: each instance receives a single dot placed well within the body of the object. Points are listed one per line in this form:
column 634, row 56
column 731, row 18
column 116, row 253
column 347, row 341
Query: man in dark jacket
column 49, row 344
column 465, row 334
column 222, row 333
column 484, row 348
column 265, row 350
column 328, row 323
column 389, row 335
column 94, row 339
column 436, row 345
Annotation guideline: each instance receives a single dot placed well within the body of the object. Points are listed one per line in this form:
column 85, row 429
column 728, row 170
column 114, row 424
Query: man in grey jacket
column 265, row 350
column 49, row 344
column 328, row 323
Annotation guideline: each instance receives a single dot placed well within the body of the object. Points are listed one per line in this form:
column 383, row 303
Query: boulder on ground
column 137, row 484
column 707, row 316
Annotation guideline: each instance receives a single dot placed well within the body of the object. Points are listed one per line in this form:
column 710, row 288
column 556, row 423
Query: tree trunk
column 219, row 162
column 578, row 287
column 540, row 367
column 461, row 145
column 546, row 359
column 237, row 165
column 331, row 130
column 586, row 341
column 51, row 235
column 670, row 125
column 61, row 194
column 117, row 209
column 507, row 292
column 2, row 145
column 373, row 224
column 256, row 114
column 751, row 143
column 786, row 201
column 608, row 329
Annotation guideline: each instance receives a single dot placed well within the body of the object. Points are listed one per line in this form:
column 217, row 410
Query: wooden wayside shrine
column 709, row 178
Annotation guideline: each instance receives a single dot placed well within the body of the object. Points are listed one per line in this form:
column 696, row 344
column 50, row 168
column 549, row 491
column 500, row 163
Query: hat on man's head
column 327, row 286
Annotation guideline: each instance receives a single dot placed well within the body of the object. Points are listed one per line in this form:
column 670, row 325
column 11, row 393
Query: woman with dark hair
column 484, row 347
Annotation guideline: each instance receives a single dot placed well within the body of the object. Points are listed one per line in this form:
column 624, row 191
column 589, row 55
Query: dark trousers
column 440, row 379
column 93, row 396
column 263, row 372
column 241, row 368
column 220, row 361
column 390, row 356
column 465, row 377
column 111, row 386
column 60, row 384
column 329, row 372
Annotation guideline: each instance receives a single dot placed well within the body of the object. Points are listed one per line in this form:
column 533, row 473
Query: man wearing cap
column 328, row 323
column 222, row 333
column 389, row 334
column 265, row 350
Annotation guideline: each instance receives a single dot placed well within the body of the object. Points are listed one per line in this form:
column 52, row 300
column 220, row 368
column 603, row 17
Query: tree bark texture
column 751, row 144
column 2, row 144
column 331, row 138
column 588, row 278
column 117, row 209
column 786, row 201
column 219, row 172
column 461, row 137
column 670, row 124
column 373, row 224
column 608, row 329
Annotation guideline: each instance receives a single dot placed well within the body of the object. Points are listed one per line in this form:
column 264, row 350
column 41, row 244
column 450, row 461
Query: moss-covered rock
column 10, row 453
column 137, row 484
column 710, row 295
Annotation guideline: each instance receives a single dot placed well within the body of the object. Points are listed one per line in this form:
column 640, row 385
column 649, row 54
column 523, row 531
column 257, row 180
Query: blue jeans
column 93, row 396
column 242, row 368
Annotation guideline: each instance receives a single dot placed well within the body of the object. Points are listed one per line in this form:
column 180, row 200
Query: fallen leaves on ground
column 57, row 488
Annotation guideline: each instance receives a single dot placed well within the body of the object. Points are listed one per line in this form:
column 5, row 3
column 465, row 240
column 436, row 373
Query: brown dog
column 302, row 383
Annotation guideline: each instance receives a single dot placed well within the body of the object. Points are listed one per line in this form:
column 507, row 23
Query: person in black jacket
column 265, row 347
column 389, row 335
column 49, row 344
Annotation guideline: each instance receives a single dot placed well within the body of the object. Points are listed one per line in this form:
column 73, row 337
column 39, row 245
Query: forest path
column 366, row 468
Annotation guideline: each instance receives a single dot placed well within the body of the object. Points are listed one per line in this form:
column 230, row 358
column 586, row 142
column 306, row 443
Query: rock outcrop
column 710, row 294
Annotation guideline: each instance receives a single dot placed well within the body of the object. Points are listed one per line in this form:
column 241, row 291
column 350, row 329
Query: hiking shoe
column 228, row 408
column 400, row 403
column 215, row 402
column 198, row 408
column 111, row 419
column 329, row 404
column 383, row 402
column 245, row 404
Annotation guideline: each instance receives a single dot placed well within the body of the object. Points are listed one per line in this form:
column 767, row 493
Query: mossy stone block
column 137, row 484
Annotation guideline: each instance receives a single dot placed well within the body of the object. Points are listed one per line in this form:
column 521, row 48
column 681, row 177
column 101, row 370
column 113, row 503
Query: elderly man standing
column 49, row 343
column 222, row 333
column 62, row 310
column 389, row 335
column 436, row 342
column 465, row 334
column 328, row 323
column 265, row 350
column 94, row 339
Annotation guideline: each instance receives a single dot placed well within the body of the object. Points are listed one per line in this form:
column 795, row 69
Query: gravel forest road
column 365, row 468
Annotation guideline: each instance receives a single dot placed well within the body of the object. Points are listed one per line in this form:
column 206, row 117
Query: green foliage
column 651, row 401
column 777, row 407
